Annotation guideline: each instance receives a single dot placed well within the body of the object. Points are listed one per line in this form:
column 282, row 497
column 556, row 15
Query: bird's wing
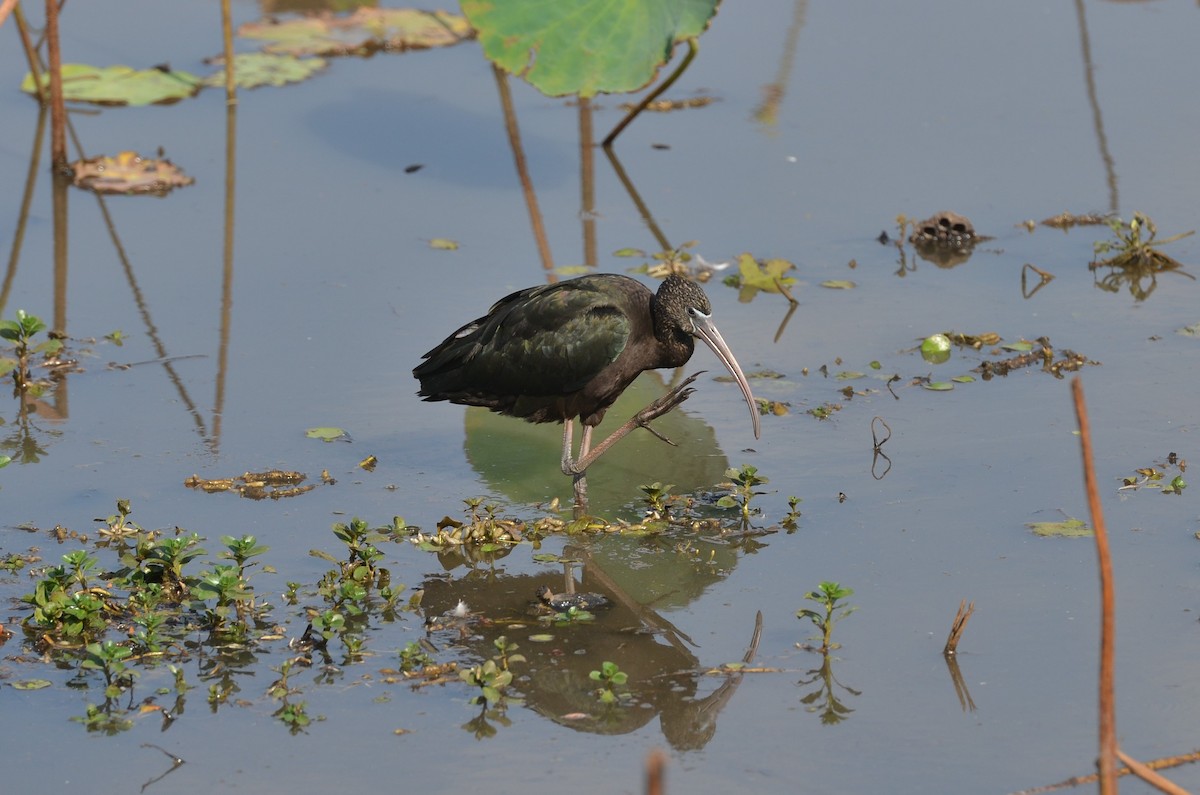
column 550, row 340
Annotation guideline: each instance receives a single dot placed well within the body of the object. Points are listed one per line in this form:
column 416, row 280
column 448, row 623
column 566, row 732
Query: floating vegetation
column 365, row 32
column 119, row 85
column 275, row 484
column 1067, row 528
column 129, row 174
column 755, row 275
column 485, row 531
column 257, row 69
column 1155, row 477
column 668, row 105
column 825, row 410
column 1136, row 260
column 1066, row 221
column 1067, row 361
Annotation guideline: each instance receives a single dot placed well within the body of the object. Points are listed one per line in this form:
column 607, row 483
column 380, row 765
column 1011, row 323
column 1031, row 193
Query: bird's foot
column 666, row 404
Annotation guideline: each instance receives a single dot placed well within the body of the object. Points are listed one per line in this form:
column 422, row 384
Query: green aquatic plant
column 232, row 596
column 657, row 497
column 20, row 332
column 1133, row 257
column 792, row 519
column 413, row 657
column 828, row 595
column 507, row 649
column 70, row 616
column 490, row 678
column 610, row 677
column 741, row 487
column 109, row 658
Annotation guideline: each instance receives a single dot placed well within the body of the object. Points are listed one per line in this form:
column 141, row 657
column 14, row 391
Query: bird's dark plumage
column 565, row 350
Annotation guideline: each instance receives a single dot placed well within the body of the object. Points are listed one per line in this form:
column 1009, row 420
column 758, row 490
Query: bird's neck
column 677, row 345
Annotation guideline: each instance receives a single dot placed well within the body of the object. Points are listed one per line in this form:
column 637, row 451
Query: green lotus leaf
column 585, row 47
column 254, row 69
column 120, row 85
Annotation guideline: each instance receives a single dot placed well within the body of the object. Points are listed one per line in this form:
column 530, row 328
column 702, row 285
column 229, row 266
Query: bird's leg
column 569, row 467
column 579, row 479
column 664, row 405
column 568, row 457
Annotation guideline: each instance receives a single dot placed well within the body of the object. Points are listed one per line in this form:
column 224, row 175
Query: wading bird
column 560, row 351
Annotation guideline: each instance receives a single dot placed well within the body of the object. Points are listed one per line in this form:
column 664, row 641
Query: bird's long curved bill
column 707, row 331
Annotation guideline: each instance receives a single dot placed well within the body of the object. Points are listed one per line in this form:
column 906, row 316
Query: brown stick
column 959, row 626
column 1148, row 775
column 656, row 763
column 1107, row 763
column 58, row 112
column 227, row 39
column 6, row 8
column 693, row 48
column 1153, row 764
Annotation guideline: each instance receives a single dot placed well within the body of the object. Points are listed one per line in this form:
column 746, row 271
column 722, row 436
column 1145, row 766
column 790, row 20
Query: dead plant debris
column 275, row 484
column 1068, row 362
column 668, row 105
column 129, row 174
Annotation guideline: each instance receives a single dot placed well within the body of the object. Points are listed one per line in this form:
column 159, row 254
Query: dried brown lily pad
column 365, row 32
column 129, row 173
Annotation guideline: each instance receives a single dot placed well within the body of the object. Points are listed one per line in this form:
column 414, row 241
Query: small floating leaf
column 254, row 69
column 849, row 375
column 364, row 32
column 766, row 276
column 572, row 270
column 1069, row 528
column 1019, row 347
column 839, row 284
column 542, row 638
column 327, row 434
column 939, row 386
column 963, row 379
column 120, row 85
column 31, row 684
column 1190, row 331
column 443, row 244
column 936, row 348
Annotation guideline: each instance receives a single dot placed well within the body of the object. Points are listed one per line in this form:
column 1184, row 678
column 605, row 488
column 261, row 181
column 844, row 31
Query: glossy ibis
column 560, row 351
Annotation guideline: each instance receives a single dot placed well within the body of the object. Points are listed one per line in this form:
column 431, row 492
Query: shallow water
column 335, row 293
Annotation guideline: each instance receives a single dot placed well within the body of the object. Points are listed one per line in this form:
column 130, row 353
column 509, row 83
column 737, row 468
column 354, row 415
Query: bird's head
column 685, row 308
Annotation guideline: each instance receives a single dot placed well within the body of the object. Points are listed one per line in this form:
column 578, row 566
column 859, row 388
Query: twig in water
column 959, row 626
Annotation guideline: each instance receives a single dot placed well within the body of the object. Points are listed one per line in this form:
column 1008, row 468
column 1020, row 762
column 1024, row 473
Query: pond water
column 1001, row 112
